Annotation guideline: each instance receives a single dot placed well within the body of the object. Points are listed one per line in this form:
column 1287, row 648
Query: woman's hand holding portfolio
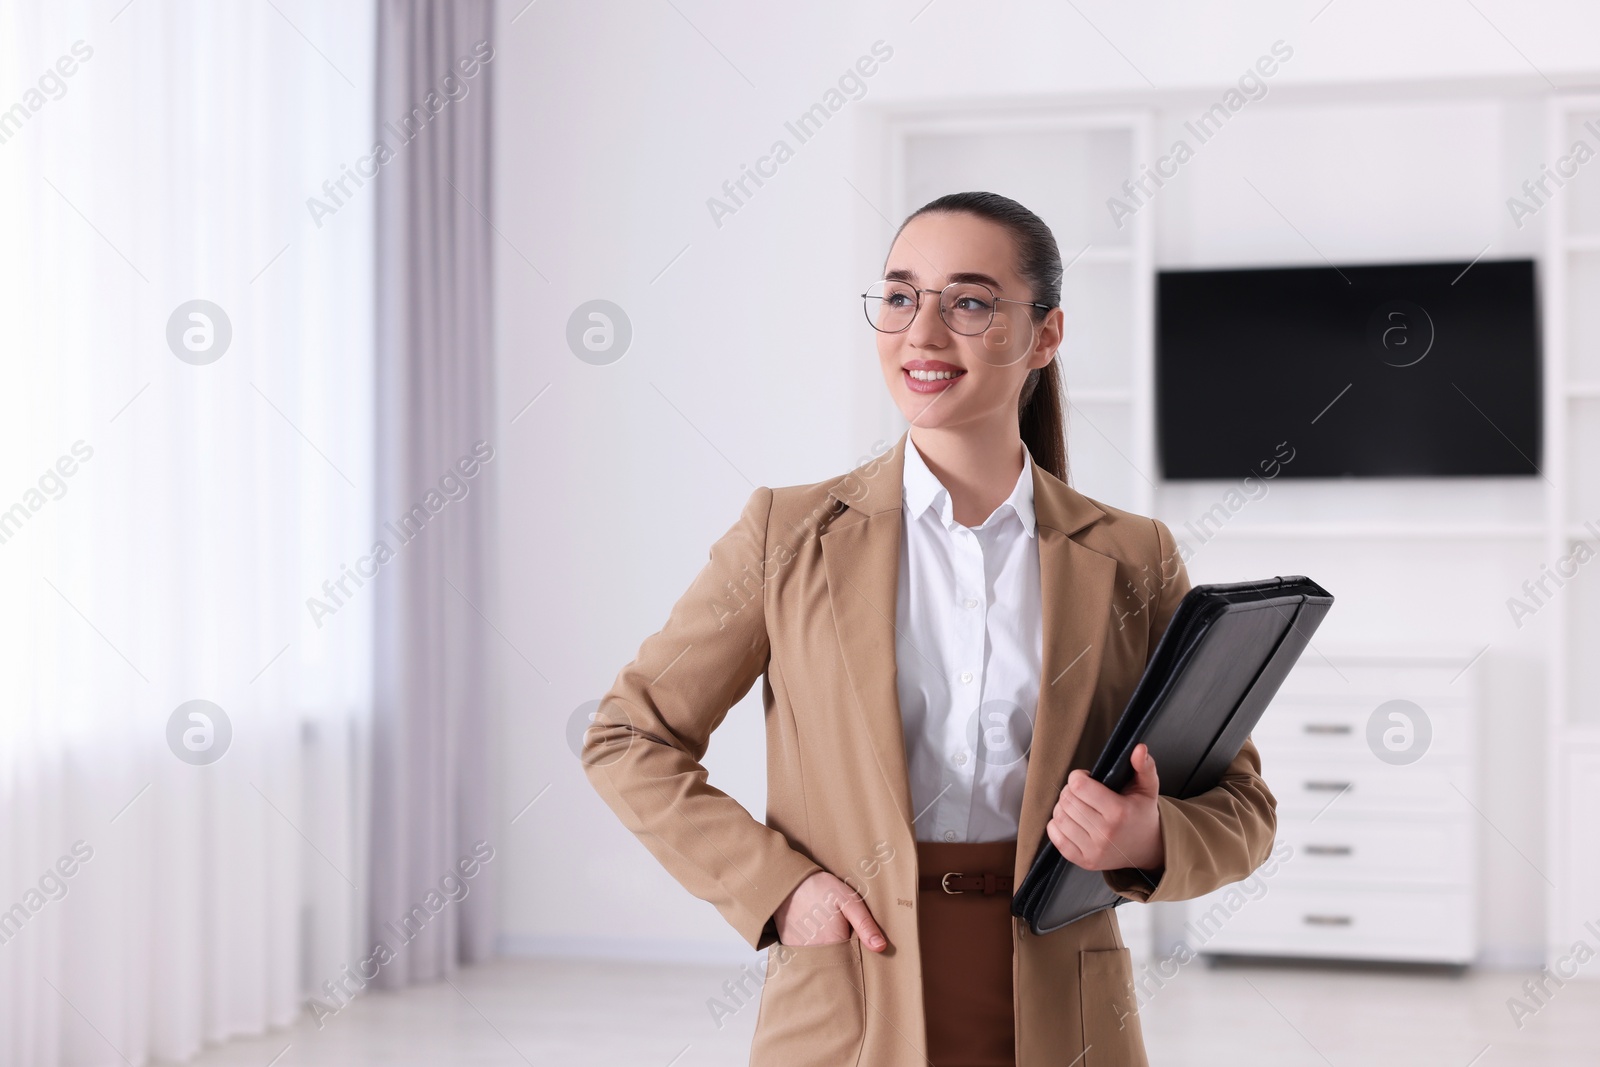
column 1100, row 830
column 822, row 910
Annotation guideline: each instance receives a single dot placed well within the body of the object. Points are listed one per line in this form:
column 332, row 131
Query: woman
column 946, row 632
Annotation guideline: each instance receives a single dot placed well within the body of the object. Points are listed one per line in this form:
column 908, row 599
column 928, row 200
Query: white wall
column 749, row 366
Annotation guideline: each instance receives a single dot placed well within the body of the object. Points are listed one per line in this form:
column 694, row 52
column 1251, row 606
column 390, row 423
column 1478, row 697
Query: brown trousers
column 966, row 957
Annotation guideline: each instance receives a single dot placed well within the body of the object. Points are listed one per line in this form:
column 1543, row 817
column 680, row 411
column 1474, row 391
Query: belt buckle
column 944, row 883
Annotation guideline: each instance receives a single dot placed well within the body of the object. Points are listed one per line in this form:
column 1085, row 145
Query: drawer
column 1304, row 787
column 1318, row 728
column 1438, row 851
column 1284, row 920
column 1422, row 682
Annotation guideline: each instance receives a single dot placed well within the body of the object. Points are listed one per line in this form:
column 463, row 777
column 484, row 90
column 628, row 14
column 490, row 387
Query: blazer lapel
column 861, row 556
column 1076, row 586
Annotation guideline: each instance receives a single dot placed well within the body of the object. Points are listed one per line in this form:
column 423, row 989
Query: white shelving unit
column 1571, row 313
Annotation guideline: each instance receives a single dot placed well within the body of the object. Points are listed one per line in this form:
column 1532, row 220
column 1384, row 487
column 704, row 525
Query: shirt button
column 961, row 758
column 969, row 603
column 966, row 676
column 949, row 835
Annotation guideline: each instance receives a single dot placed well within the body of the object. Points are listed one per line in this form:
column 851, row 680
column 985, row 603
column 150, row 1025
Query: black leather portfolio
column 1225, row 652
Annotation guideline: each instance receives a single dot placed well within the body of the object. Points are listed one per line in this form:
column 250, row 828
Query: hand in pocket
column 823, row 910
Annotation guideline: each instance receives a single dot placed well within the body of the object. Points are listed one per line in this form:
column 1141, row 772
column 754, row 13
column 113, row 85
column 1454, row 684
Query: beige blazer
column 802, row 589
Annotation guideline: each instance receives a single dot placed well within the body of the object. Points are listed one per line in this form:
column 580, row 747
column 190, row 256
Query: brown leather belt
column 987, row 883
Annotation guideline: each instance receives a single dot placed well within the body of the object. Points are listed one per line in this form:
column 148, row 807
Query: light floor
column 576, row 1013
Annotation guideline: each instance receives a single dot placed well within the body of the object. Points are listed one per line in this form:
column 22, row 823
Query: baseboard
column 631, row 949
column 1510, row 959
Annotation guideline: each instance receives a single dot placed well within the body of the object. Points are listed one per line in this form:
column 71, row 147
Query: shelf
column 1576, row 532
column 1582, row 444
column 1097, row 254
column 1579, row 600
column 1099, row 396
column 1423, row 652
column 1382, row 531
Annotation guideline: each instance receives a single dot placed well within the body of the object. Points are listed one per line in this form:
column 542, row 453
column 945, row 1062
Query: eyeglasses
column 966, row 307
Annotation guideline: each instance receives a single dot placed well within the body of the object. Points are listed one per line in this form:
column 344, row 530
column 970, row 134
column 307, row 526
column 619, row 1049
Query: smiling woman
column 986, row 350
column 937, row 657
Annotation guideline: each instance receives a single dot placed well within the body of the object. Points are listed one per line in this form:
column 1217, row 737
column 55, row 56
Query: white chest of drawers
column 1373, row 759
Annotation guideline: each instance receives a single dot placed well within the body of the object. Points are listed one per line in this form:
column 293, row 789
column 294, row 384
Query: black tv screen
column 1364, row 371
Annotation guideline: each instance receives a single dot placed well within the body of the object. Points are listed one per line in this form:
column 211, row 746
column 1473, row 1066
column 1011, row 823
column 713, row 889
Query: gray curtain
column 431, row 767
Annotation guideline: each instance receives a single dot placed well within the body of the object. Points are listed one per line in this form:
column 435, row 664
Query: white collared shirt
column 969, row 654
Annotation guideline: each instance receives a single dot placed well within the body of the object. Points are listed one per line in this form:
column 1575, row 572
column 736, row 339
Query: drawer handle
column 1328, row 920
column 1328, row 787
column 1328, row 728
column 1329, row 850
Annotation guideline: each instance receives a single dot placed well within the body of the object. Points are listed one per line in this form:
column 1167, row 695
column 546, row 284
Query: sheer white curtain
column 164, row 520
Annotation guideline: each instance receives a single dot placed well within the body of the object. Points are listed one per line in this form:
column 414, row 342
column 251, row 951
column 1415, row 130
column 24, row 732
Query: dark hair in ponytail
column 1040, row 414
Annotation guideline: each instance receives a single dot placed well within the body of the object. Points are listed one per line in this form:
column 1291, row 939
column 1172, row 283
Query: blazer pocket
column 813, row 1006
column 1110, row 1009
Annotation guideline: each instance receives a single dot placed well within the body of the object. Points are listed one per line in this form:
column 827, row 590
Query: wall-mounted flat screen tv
column 1413, row 369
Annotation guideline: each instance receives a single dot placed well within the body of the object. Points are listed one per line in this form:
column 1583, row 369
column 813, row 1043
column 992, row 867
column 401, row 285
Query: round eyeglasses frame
column 978, row 285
